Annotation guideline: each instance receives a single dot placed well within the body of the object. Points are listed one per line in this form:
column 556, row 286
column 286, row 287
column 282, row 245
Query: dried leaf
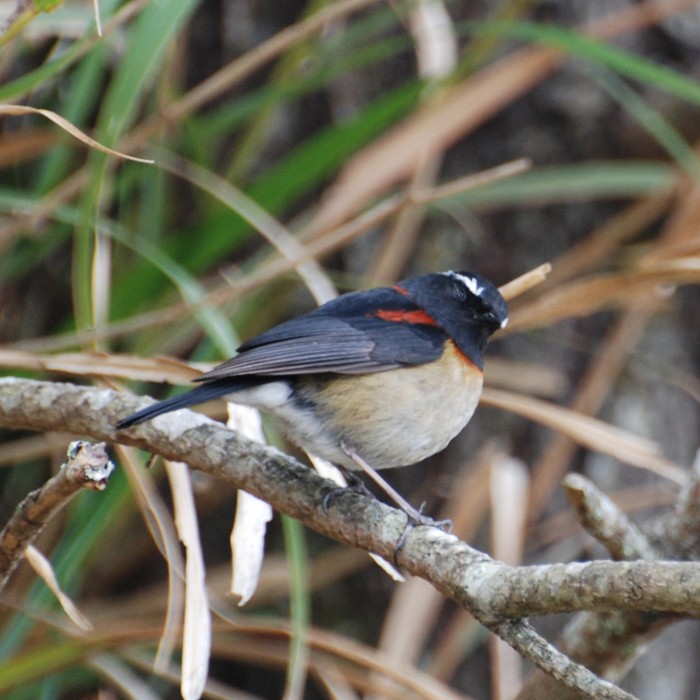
column 509, row 501
column 196, row 638
column 252, row 515
column 599, row 292
column 22, row 110
column 589, row 432
column 42, row 566
column 155, row 369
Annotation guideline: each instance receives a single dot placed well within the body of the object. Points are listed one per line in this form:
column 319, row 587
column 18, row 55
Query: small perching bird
column 381, row 378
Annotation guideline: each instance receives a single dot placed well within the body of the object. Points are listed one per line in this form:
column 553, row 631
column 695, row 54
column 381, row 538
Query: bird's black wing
column 369, row 331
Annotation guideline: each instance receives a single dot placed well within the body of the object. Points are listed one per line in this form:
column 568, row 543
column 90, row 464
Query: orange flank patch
column 405, row 316
column 464, row 358
column 399, row 289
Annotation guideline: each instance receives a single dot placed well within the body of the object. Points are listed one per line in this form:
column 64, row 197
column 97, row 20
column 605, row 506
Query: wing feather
column 344, row 336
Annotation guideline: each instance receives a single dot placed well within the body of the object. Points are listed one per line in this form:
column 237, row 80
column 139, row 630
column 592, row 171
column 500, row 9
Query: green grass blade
column 91, row 515
column 221, row 233
column 570, row 183
column 213, row 322
column 84, row 86
column 299, row 606
column 41, row 76
column 604, row 54
column 659, row 128
column 38, row 663
column 155, row 27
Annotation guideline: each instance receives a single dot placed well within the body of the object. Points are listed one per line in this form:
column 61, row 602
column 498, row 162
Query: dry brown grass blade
column 436, row 50
column 159, row 522
column 436, row 127
column 414, row 607
column 155, row 369
column 461, row 634
column 19, row 147
column 238, row 70
column 602, row 292
column 247, row 539
column 588, row 432
column 460, row 110
column 30, row 448
column 42, row 567
column 21, row 110
column 526, row 377
column 196, row 632
column 679, row 232
column 399, row 243
column 360, row 662
column 625, row 225
column 470, row 182
column 508, row 496
column 593, row 388
column 525, row 282
column 509, row 505
column 637, row 17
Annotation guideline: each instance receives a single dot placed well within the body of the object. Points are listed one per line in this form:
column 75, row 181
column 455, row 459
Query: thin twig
column 527, row 281
column 87, row 466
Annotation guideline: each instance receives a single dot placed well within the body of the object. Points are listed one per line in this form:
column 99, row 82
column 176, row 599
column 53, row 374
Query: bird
column 371, row 380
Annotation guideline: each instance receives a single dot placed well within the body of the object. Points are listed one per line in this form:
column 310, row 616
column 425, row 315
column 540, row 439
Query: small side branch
column 606, row 522
column 577, row 679
column 677, row 533
column 86, row 467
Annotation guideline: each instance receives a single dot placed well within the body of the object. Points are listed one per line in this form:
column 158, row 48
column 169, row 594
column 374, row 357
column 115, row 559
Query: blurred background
column 302, row 147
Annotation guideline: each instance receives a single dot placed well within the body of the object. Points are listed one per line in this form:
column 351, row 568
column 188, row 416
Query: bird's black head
column 465, row 305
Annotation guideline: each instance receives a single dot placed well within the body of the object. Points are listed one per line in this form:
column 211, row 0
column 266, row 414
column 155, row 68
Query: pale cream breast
column 372, row 410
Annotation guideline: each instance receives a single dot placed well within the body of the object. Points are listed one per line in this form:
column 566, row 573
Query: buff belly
column 370, row 414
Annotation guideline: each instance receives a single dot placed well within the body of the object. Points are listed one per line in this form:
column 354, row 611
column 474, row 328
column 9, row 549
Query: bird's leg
column 415, row 517
column 354, row 481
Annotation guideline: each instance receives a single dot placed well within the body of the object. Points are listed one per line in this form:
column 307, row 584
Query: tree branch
column 601, row 517
column 677, row 533
column 560, row 669
column 86, row 467
column 493, row 592
column 609, row 642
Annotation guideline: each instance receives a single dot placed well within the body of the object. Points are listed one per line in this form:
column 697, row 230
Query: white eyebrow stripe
column 469, row 282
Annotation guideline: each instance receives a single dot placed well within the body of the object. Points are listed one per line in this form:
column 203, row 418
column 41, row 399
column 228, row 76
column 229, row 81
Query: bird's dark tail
column 206, row 392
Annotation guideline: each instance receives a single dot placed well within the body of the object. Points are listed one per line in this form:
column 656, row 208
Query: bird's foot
column 416, row 517
column 354, row 485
